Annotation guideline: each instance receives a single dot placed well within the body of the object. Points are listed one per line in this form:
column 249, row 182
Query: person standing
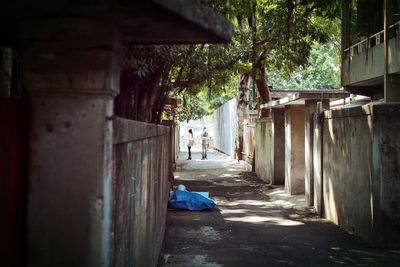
column 205, row 138
column 190, row 143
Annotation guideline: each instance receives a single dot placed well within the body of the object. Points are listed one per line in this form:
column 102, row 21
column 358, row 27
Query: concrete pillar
column 71, row 69
column 294, row 149
column 310, row 109
column 279, row 146
column 317, row 163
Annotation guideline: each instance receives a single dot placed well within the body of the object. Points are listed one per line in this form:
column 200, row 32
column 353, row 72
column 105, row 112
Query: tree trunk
column 242, row 113
column 263, row 90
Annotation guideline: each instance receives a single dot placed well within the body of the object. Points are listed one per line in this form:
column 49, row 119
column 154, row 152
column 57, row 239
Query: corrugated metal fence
column 225, row 127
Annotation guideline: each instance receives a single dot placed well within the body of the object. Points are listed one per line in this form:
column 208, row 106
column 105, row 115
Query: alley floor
column 255, row 225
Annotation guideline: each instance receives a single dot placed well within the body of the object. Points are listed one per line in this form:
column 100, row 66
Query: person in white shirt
column 190, row 143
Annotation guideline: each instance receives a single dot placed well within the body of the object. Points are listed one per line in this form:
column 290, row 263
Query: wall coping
column 299, row 98
column 264, row 120
column 129, row 130
column 355, row 111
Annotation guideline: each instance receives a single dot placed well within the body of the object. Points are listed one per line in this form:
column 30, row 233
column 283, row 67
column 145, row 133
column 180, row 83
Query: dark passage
column 255, row 225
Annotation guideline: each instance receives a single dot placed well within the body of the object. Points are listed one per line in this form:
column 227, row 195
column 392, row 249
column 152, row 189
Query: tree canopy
column 272, row 38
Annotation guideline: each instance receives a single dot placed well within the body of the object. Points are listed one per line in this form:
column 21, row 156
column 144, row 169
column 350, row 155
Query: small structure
column 290, row 134
column 359, row 159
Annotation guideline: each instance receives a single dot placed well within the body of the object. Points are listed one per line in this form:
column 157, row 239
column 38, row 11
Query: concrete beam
column 139, row 22
column 299, row 97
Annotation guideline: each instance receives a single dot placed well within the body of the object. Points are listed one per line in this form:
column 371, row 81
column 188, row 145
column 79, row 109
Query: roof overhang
column 140, row 22
column 300, row 97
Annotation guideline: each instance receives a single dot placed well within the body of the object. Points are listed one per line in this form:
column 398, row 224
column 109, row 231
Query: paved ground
column 255, row 225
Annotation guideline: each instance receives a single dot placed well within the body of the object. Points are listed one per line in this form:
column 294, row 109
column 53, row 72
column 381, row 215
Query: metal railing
column 371, row 41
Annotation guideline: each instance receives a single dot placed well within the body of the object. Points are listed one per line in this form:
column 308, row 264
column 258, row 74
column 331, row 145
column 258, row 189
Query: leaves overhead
column 278, row 33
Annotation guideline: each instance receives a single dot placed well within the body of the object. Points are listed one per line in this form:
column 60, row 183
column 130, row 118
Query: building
column 95, row 185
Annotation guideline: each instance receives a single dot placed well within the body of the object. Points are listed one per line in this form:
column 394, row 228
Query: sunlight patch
column 259, row 219
column 236, row 211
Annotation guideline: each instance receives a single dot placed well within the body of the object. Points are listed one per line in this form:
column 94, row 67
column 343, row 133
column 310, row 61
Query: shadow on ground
column 254, row 227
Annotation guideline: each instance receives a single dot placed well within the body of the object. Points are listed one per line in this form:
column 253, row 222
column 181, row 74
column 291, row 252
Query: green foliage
column 284, row 35
column 203, row 101
column 193, row 108
column 322, row 71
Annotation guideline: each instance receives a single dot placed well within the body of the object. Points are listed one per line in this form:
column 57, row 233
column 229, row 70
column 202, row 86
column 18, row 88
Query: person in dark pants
column 205, row 138
column 190, row 143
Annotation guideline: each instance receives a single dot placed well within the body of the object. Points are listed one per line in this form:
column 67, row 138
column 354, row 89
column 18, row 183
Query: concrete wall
column 142, row 163
column 294, row 149
column 347, row 172
column 361, row 189
column 264, row 161
column 386, row 172
column 225, row 124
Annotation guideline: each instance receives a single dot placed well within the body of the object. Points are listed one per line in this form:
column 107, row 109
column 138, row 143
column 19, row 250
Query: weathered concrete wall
column 264, row 161
column 360, row 171
column 294, row 149
column 386, row 172
column 225, row 121
column 279, row 146
column 142, row 164
column 347, row 172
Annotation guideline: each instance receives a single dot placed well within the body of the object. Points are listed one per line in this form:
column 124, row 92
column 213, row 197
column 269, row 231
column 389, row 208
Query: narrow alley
column 255, row 224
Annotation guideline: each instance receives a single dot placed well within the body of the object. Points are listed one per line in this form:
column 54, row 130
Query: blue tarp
column 194, row 201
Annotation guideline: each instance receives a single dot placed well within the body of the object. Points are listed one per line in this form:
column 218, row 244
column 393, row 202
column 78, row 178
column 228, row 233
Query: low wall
column 264, row 160
column 143, row 166
column 225, row 125
column 360, row 177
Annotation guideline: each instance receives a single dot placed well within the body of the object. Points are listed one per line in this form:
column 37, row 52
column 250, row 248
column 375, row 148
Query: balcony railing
column 371, row 41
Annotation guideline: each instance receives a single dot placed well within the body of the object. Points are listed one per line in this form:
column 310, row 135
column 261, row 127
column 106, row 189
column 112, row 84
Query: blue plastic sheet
column 194, row 201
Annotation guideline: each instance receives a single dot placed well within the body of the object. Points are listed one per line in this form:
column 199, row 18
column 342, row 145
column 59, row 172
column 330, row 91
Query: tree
column 270, row 35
